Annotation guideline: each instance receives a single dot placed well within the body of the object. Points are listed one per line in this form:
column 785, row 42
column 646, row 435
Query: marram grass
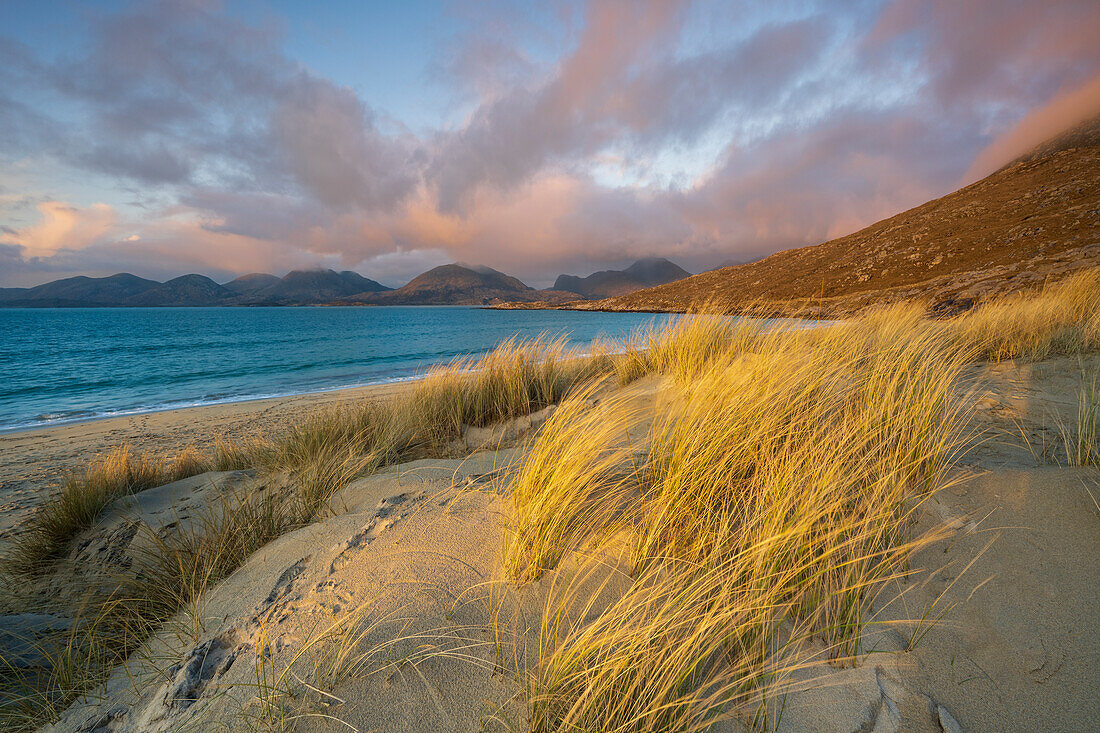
column 777, row 490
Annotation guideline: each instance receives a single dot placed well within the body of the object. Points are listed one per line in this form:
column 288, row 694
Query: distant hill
column 79, row 291
column 607, row 283
column 313, row 286
column 186, row 290
column 457, row 284
column 252, row 283
column 301, row 287
column 1035, row 220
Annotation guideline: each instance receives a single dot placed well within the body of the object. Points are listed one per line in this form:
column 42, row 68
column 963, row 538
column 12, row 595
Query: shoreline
column 34, row 461
column 172, row 407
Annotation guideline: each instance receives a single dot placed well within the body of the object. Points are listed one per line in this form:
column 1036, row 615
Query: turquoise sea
column 63, row 365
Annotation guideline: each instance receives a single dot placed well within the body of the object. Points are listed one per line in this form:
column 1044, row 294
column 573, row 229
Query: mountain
column 301, row 287
column 186, row 290
column 455, row 284
column 607, row 283
column 1036, row 219
column 251, row 283
column 78, row 291
column 313, row 286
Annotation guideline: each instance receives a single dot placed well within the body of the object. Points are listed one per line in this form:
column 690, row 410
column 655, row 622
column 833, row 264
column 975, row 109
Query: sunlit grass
column 778, row 488
column 1061, row 319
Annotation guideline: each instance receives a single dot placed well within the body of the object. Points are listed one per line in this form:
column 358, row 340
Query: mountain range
column 454, row 284
column 1035, row 220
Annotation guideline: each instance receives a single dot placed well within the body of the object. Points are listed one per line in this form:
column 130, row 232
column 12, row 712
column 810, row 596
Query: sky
column 237, row 136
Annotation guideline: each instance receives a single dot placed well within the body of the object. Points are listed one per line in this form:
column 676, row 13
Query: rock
column 947, row 720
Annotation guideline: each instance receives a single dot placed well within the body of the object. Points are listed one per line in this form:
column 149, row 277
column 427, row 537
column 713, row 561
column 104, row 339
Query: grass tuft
column 83, row 498
column 1063, row 318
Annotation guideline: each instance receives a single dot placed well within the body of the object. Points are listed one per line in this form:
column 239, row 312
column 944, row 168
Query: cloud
column 622, row 83
column 980, row 52
column 63, row 227
column 699, row 130
column 1064, row 111
column 334, row 150
column 177, row 93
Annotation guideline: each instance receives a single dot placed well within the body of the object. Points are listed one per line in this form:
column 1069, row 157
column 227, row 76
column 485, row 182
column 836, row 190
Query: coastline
column 34, row 460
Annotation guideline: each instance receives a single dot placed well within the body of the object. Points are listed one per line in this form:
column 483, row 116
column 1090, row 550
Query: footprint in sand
column 390, row 511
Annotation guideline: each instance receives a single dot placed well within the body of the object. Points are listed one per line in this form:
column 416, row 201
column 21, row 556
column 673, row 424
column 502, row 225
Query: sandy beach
column 33, row 462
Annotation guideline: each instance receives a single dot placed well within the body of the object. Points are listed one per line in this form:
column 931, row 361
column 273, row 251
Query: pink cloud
column 63, row 226
column 1064, row 111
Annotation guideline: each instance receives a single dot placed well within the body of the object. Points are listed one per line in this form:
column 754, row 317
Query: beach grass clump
column 692, row 344
column 1081, row 440
column 674, row 650
column 516, row 378
column 850, row 432
column 188, row 462
column 240, row 454
column 1062, row 318
column 171, row 569
column 779, row 487
column 687, row 346
column 574, row 479
column 69, row 662
column 86, row 495
column 83, row 498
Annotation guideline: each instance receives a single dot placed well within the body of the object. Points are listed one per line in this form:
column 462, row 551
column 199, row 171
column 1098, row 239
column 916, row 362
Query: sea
column 60, row 365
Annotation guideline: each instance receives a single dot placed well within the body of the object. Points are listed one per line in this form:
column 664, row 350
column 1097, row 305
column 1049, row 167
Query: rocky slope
column 1035, row 220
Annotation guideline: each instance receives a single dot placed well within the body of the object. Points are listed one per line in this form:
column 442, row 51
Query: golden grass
column 1063, row 318
column 572, row 481
column 1081, row 441
column 687, row 345
column 85, row 496
column 778, row 489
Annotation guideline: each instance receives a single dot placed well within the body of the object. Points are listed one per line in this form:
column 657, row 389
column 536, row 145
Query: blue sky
column 259, row 135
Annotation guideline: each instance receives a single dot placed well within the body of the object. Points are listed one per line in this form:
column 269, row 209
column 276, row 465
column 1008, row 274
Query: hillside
column 300, row 287
column 185, row 290
column 79, row 291
column 607, row 283
column 251, row 283
column 457, row 284
column 313, row 286
column 1035, row 220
